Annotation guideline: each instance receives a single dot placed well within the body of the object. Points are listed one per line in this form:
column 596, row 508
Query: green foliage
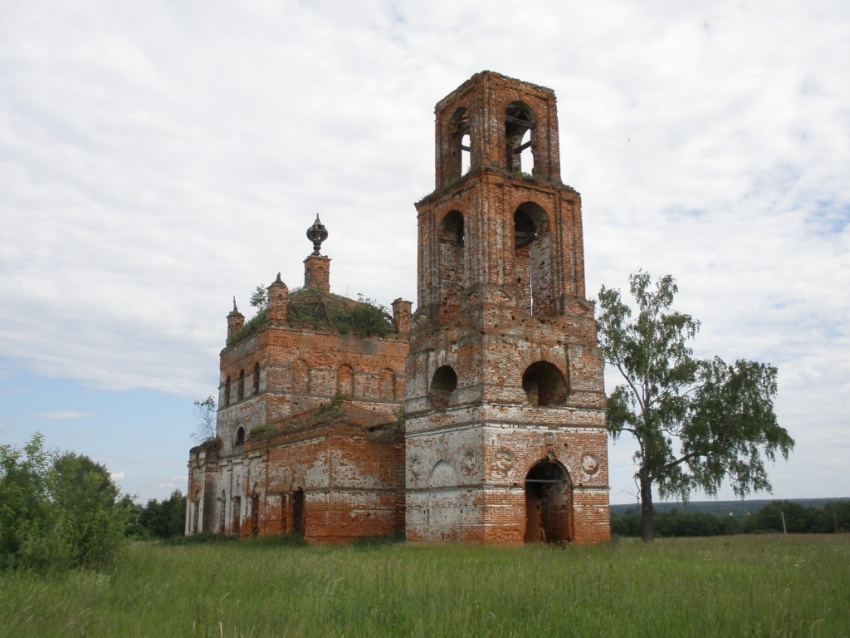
column 89, row 521
column 166, row 518
column 319, row 309
column 251, row 326
column 707, row 518
column 331, row 409
column 730, row 586
column 834, row 517
column 260, row 297
column 26, row 515
column 366, row 317
column 202, row 538
column 262, row 430
column 275, row 540
column 676, row 524
column 696, row 422
column 205, row 412
column 57, row 511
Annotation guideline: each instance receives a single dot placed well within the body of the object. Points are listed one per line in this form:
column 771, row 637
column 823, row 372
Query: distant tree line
column 156, row 519
column 832, row 518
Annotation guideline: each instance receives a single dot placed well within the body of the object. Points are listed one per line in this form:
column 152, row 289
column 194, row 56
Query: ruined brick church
column 478, row 417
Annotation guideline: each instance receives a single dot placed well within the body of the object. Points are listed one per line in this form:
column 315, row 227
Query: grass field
column 725, row 586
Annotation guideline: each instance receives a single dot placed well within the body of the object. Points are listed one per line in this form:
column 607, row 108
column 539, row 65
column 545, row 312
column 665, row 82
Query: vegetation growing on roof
column 262, row 430
column 329, row 410
column 311, row 308
column 252, row 326
column 318, row 309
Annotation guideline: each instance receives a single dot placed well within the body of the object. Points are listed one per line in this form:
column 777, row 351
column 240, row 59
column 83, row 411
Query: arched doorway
column 548, row 504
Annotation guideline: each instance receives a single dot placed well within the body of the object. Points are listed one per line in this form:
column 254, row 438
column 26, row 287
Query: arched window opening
column 519, row 126
column 544, row 385
column 256, row 378
column 533, row 264
column 461, row 143
column 443, row 384
column 240, row 436
column 240, row 390
column 548, row 504
column 226, row 391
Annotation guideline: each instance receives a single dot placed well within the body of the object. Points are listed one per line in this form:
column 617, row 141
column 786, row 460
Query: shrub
column 57, row 511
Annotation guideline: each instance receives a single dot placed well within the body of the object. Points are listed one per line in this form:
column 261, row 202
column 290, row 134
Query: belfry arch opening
column 533, row 262
column 452, row 239
column 548, row 504
column 443, row 385
column 461, row 143
column 519, row 136
column 544, row 385
column 452, row 230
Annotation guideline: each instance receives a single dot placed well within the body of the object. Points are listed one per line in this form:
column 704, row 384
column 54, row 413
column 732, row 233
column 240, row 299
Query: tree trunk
column 647, row 524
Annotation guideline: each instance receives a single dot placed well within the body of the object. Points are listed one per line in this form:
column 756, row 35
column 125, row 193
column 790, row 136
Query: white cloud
column 157, row 159
column 61, row 415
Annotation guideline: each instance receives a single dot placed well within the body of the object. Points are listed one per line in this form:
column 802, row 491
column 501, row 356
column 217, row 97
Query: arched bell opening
column 533, row 260
column 443, row 385
column 519, row 137
column 544, row 385
column 548, row 504
column 460, row 144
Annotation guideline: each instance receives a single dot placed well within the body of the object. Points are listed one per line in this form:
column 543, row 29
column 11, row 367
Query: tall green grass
column 730, row 586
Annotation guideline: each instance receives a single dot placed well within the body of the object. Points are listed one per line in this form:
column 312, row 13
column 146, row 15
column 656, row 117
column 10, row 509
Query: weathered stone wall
column 343, row 480
column 302, row 369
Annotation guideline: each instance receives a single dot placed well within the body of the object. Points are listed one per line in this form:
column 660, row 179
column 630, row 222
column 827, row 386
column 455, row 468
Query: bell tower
column 505, row 406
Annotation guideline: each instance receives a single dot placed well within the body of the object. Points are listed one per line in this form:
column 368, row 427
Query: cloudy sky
column 159, row 157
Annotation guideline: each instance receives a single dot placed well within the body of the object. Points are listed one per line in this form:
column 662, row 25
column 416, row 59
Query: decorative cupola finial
column 317, row 233
column 278, row 280
column 235, row 309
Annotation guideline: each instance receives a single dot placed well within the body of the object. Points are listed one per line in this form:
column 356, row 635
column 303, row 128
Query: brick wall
column 498, row 371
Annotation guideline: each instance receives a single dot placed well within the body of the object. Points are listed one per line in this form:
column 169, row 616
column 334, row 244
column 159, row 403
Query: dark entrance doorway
column 255, row 514
column 548, row 504
column 298, row 512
